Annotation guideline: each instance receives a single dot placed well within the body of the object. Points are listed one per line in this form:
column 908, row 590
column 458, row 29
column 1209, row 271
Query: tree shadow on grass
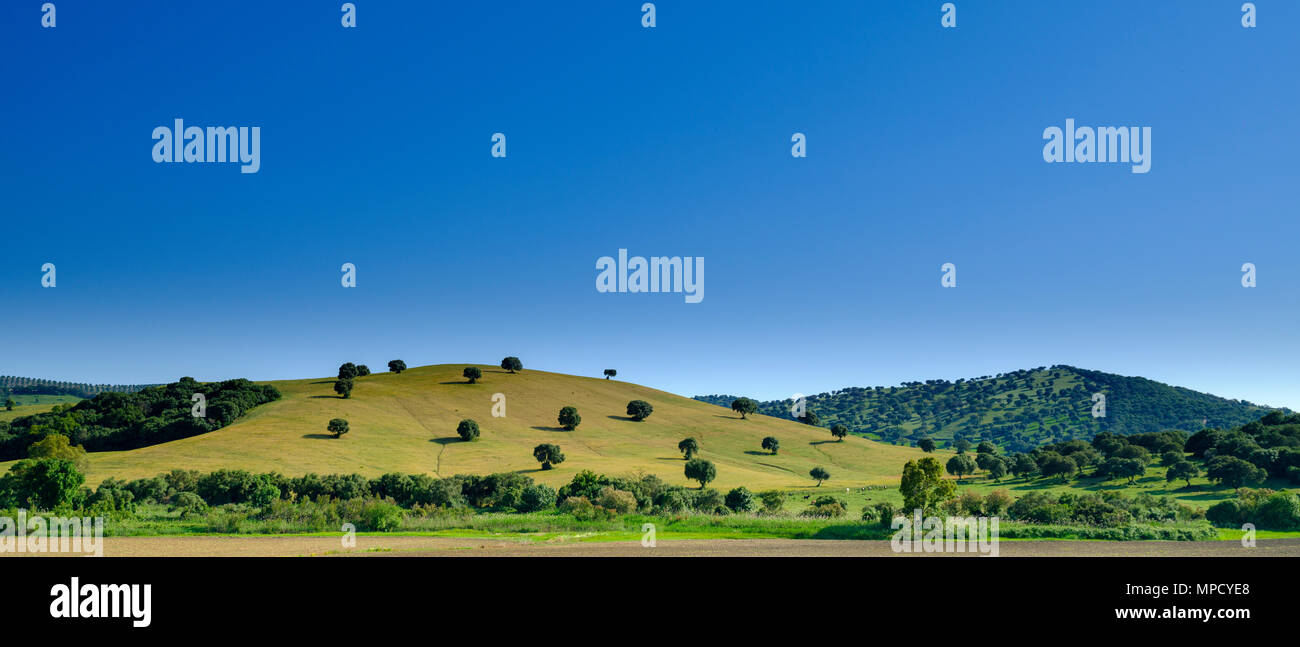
column 324, row 436
column 823, row 442
column 324, row 382
column 466, row 382
column 531, row 471
column 550, row 429
column 625, row 418
column 754, row 452
column 678, row 459
column 328, row 397
column 447, row 440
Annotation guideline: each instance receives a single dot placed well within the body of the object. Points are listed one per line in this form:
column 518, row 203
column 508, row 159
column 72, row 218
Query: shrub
column 885, row 513
column 1225, row 513
column 536, row 497
column 1279, row 511
column 827, row 507
column 997, row 502
column 773, row 501
column 617, row 500
column 740, row 500
column 970, row 503
column 709, row 501
column 672, row 501
column 188, row 504
column 226, row 521
column 374, row 515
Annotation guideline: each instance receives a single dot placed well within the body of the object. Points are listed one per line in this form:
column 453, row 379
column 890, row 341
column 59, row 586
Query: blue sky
column 924, row 147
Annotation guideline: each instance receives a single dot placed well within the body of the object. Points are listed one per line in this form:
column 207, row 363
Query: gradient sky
column 924, row 147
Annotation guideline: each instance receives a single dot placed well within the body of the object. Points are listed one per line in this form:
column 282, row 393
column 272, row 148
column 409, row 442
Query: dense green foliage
column 1018, row 411
column 467, row 430
column 1266, row 509
column 689, row 447
column 639, row 409
column 698, row 469
column 338, row 427
column 569, row 418
column 114, row 421
column 548, row 454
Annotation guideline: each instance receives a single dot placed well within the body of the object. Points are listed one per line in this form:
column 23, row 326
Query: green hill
column 407, row 423
column 1017, row 411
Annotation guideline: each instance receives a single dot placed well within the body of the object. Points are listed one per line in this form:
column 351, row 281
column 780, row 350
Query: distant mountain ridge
column 1019, row 411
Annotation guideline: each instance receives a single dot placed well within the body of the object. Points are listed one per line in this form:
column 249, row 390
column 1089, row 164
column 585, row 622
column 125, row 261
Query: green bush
column 740, row 500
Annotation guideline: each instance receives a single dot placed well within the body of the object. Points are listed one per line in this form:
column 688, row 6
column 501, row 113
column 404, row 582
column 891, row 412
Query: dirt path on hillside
column 469, row 547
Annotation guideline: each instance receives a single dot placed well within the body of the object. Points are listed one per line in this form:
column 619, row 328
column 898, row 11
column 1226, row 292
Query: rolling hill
column 1018, row 411
column 407, row 423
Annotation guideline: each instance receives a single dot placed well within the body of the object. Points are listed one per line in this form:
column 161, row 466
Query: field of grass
column 30, row 404
column 407, row 423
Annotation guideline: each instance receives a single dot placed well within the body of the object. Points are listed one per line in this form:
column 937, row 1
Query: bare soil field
column 406, row 546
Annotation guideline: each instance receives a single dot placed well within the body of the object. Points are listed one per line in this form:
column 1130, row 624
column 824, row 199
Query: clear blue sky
column 924, row 147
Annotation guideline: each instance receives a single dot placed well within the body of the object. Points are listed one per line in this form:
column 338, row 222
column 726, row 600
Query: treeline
column 1268, row 447
column 13, row 385
column 55, row 484
column 117, row 421
column 1018, row 411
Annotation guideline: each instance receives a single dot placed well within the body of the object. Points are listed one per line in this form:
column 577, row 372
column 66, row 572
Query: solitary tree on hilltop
column 512, row 364
column 472, row 373
column 397, row 366
column 689, row 447
column 338, row 427
column 347, row 371
column 744, row 406
column 609, row 372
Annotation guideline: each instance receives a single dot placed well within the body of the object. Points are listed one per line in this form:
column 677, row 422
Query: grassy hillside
column 407, row 423
column 26, row 405
column 1017, row 411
